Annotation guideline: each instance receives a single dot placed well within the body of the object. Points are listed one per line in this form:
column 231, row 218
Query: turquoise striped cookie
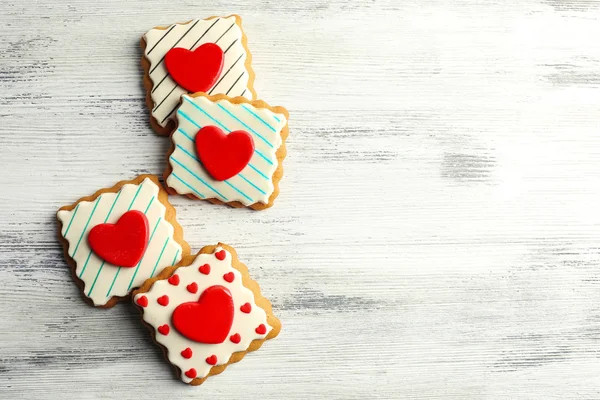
column 117, row 238
column 227, row 150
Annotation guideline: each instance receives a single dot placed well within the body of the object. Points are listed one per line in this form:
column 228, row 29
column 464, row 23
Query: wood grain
column 436, row 235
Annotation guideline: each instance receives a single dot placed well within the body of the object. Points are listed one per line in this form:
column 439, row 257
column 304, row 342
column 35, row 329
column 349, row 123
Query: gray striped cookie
column 163, row 93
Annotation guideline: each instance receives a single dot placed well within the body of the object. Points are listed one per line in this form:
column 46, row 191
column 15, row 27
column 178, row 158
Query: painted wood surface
column 437, row 232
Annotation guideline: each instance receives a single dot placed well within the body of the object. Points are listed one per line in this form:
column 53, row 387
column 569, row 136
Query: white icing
column 234, row 77
column 99, row 276
column 243, row 324
column 254, row 184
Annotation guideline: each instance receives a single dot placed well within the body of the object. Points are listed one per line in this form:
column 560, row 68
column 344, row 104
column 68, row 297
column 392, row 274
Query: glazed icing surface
column 225, row 32
column 254, row 184
column 101, row 279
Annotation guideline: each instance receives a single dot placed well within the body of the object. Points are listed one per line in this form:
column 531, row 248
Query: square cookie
column 163, row 93
column 207, row 313
column 117, row 238
column 227, row 150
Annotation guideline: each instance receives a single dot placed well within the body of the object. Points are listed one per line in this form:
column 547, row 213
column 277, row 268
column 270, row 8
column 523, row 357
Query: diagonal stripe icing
column 225, row 32
column 98, row 276
column 255, row 182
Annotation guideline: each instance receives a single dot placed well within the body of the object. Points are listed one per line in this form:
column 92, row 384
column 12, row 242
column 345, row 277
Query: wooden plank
column 437, row 231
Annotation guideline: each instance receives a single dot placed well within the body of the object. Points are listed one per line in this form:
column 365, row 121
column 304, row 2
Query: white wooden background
column 437, row 235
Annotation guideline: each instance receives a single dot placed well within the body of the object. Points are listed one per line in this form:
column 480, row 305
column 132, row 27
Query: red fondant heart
column 187, row 353
column 164, row 329
column 174, row 280
column 142, row 301
column 204, row 269
column 220, row 255
column 209, row 319
column 229, row 277
column 246, row 308
column 163, row 300
column 223, row 155
column 195, row 71
column 192, row 287
column 122, row 244
column 191, row 373
column 235, row 338
column 261, row 329
column 212, row 360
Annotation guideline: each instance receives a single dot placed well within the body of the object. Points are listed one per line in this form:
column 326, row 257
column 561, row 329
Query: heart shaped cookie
column 209, row 319
column 195, row 71
column 223, row 155
column 122, row 244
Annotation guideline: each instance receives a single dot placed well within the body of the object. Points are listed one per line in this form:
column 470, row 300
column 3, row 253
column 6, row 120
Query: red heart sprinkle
column 163, row 300
column 192, row 287
column 212, row 360
column 191, row 373
column 142, row 301
column 246, row 308
column 229, row 277
column 187, row 353
column 174, row 280
column 261, row 329
column 235, row 338
column 204, row 269
column 164, row 329
column 220, row 255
